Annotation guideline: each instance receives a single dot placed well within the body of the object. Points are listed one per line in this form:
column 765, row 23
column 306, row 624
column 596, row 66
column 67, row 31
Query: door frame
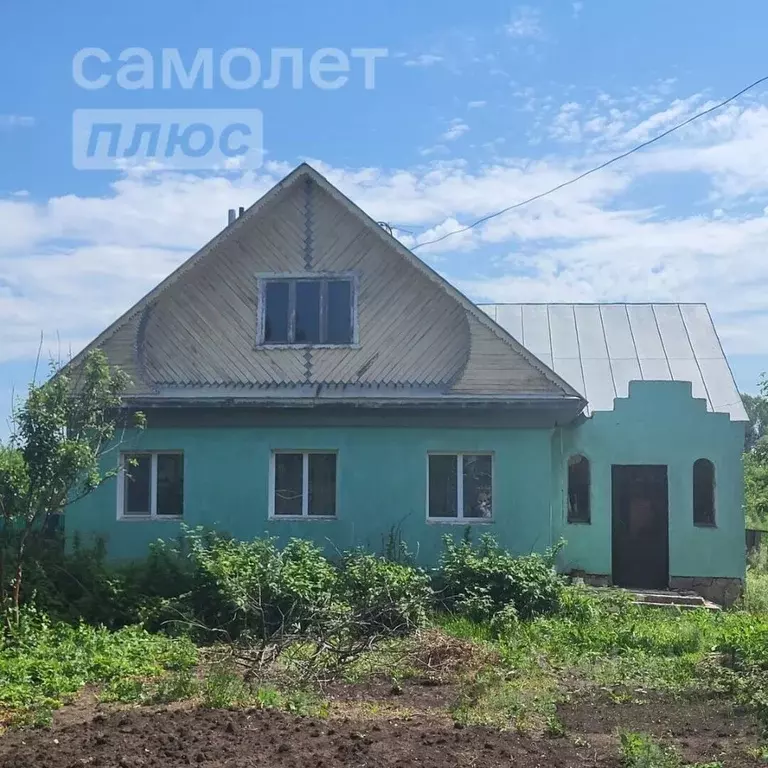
column 663, row 552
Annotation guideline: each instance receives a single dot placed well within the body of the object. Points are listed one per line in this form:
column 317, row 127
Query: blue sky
column 476, row 106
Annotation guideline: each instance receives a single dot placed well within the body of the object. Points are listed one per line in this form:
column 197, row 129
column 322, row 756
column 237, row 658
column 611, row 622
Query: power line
column 595, row 169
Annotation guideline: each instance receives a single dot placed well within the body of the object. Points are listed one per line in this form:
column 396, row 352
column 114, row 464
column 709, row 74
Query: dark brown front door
column 640, row 526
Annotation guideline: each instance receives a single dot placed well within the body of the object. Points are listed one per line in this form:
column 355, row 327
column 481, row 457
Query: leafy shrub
column 82, row 585
column 252, row 590
column 480, row 581
column 385, row 597
column 756, row 588
column 224, row 688
column 640, row 751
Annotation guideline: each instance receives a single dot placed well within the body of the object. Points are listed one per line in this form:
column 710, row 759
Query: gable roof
column 600, row 348
column 491, row 363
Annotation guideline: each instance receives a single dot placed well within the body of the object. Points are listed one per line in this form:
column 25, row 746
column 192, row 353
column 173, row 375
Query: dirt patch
column 702, row 729
column 380, row 698
column 246, row 739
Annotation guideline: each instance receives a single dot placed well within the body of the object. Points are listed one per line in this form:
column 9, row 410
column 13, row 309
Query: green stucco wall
column 382, row 476
column 659, row 423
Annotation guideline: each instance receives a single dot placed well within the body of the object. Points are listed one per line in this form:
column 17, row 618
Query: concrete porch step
column 670, row 599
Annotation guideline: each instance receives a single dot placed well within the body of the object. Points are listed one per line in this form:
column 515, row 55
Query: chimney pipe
column 230, row 216
column 242, row 211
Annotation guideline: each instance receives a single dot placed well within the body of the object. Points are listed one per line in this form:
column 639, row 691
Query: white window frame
column 121, row 480
column 261, row 318
column 305, row 454
column 461, row 519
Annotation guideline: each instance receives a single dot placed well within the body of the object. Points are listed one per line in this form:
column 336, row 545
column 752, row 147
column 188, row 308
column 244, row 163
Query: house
column 305, row 375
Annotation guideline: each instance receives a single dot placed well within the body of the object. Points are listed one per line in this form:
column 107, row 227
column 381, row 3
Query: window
column 578, row 490
column 307, row 311
column 460, row 486
column 151, row 485
column 304, row 484
column 703, row 492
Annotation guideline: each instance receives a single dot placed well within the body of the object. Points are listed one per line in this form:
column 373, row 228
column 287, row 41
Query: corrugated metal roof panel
column 589, row 327
column 645, row 332
column 536, row 329
column 688, row 370
column 674, row 336
column 618, row 334
column 701, row 331
column 655, row 369
column 600, row 348
column 510, row 317
column 562, row 329
column 570, row 369
column 624, row 371
column 598, row 381
column 719, row 380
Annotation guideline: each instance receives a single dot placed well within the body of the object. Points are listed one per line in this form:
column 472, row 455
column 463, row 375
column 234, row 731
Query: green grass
column 638, row 750
column 512, row 681
column 610, row 644
column 44, row 665
column 641, row 751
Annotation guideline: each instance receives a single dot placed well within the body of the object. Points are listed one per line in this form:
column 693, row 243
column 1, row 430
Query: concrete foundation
column 592, row 579
column 723, row 591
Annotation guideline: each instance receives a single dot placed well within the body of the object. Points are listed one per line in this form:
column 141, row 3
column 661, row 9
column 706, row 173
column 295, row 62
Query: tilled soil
column 242, row 739
column 370, row 725
column 702, row 729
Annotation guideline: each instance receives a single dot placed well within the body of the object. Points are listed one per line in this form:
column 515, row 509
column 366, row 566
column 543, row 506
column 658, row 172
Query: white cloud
column 455, row 131
column 16, row 121
column 437, row 149
column 678, row 111
column 71, row 264
column 524, row 22
column 566, row 126
column 423, row 60
column 476, row 104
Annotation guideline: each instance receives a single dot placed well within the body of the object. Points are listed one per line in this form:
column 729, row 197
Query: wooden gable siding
column 494, row 369
column 198, row 328
column 409, row 330
column 202, row 330
column 120, row 350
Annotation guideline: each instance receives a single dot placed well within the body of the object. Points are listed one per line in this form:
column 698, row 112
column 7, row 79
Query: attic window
column 307, row 311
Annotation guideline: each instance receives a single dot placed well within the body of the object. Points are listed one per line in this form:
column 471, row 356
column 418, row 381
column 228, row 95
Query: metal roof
column 600, row 348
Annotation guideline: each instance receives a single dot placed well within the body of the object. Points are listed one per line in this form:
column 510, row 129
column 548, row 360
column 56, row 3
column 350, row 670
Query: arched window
column 578, row 490
column 703, row 492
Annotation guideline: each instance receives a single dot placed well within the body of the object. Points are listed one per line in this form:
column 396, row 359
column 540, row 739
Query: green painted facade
column 382, row 483
column 659, row 423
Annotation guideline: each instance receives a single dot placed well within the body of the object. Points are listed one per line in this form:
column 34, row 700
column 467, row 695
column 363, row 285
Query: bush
column 481, row 581
column 756, row 587
column 640, row 751
column 80, row 585
column 385, row 597
column 253, row 591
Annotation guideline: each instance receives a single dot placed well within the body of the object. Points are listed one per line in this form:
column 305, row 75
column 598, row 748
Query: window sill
column 705, row 525
column 149, row 518
column 351, row 345
column 460, row 521
column 578, row 522
column 302, row 518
